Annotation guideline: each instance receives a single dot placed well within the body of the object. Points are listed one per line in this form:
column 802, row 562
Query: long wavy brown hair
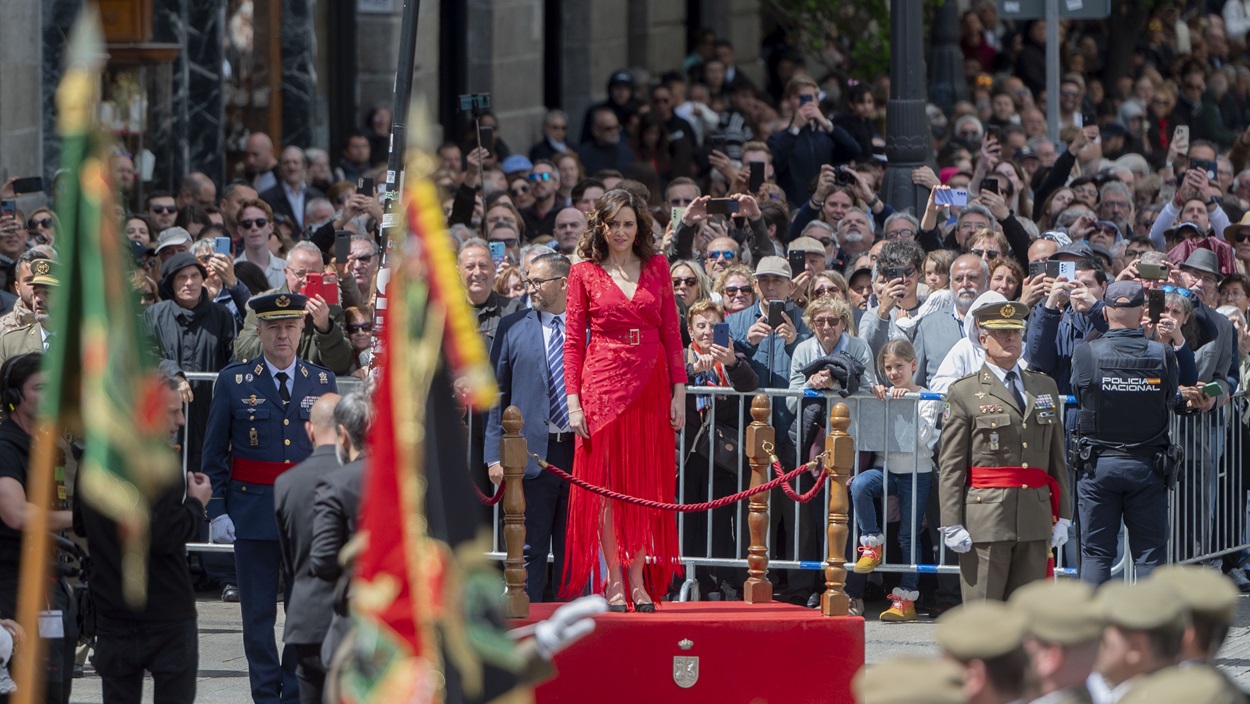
column 594, row 244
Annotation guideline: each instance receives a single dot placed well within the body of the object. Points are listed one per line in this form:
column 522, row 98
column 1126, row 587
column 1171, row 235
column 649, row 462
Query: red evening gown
column 624, row 376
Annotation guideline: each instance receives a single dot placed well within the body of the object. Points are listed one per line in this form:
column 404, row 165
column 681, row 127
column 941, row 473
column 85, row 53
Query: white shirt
column 547, row 320
column 290, row 375
column 43, row 336
column 295, row 196
column 1001, row 373
column 275, row 271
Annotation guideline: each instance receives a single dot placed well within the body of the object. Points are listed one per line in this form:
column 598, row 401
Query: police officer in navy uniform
column 256, row 432
column 1125, row 385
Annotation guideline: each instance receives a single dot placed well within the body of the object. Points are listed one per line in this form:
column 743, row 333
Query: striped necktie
column 555, row 377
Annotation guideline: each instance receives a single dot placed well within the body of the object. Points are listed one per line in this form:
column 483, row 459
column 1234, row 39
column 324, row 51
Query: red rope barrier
column 790, row 492
column 489, row 500
column 681, row 508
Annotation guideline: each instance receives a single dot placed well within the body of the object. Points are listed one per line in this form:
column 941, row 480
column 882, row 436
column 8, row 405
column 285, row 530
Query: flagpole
column 33, row 586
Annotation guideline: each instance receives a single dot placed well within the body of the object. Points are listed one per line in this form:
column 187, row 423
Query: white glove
column 221, row 530
column 956, row 538
column 568, row 624
column 1059, row 535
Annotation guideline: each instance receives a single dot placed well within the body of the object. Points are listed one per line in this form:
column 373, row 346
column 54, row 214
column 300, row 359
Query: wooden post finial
column 760, row 408
column 760, row 439
column 839, row 461
column 513, row 456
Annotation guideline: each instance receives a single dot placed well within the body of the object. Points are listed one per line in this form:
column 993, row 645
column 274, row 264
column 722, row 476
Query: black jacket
column 199, row 339
column 336, row 505
column 311, row 600
column 175, row 521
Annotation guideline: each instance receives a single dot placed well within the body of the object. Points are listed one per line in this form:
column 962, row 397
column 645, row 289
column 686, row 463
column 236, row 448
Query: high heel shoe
column 616, row 593
column 642, row 607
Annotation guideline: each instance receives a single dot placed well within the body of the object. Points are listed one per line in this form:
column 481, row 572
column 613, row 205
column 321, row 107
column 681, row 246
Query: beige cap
column 1192, row 684
column 1204, row 591
column 1146, row 606
column 910, row 679
column 806, row 244
column 981, row 630
column 1062, row 612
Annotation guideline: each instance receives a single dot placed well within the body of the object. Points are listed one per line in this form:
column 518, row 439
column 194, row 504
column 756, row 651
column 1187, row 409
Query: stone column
column 299, row 84
column 947, row 83
column 21, row 116
column 594, row 47
column 908, row 144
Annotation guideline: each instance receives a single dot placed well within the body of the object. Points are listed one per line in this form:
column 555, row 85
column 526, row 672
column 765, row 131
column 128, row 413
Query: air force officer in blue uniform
column 528, row 354
column 256, row 432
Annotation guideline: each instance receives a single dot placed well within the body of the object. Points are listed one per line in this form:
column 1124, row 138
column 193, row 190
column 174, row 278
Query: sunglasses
column 824, row 241
column 509, row 243
column 737, row 290
column 1241, row 237
column 726, row 254
column 1183, row 291
column 364, row 258
column 166, row 209
column 826, row 322
column 359, row 327
column 518, row 190
column 686, row 281
column 540, row 177
column 248, row 224
column 826, row 291
column 992, row 253
column 33, row 224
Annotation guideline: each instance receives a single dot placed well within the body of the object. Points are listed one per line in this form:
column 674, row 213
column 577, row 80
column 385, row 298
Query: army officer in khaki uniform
column 1002, row 478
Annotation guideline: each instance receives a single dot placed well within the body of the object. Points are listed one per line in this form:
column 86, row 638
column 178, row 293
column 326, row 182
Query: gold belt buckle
column 634, row 336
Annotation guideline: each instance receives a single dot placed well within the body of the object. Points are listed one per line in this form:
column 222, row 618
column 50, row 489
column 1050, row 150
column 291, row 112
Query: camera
column 843, row 176
column 476, row 103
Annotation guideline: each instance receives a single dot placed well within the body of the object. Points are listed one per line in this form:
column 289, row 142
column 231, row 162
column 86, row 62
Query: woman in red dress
column 626, row 386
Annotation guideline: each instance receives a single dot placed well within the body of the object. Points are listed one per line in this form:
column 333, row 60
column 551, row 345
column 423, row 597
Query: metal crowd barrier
column 1207, row 511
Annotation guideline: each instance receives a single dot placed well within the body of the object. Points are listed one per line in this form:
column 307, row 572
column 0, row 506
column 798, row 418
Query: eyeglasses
column 826, row 322
column 248, row 224
column 535, row 283
column 354, row 328
column 991, row 253
column 33, row 224
column 826, row 291
column 166, row 209
column 824, row 241
column 1234, row 293
column 686, row 281
column 518, row 190
column 679, row 202
column 900, row 234
column 1070, row 93
column 1183, row 291
column 508, row 243
column 1135, row 253
column 726, row 254
column 540, row 177
column 737, row 290
column 558, row 128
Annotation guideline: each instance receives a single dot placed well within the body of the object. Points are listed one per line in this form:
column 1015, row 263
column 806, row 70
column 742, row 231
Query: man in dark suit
column 255, row 433
column 308, row 611
column 335, row 506
column 528, row 353
column 292, row 192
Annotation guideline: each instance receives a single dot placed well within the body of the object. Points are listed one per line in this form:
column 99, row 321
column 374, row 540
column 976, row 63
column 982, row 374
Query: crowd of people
column 761, row 204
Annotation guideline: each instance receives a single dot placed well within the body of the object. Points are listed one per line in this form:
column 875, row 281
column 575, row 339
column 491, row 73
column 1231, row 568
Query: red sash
column 1020, row 478
column 258, row 472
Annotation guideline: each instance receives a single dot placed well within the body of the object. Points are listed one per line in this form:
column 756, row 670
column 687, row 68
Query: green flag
column 103, row 387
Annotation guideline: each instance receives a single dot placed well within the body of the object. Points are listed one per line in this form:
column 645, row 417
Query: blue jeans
column 866, row 488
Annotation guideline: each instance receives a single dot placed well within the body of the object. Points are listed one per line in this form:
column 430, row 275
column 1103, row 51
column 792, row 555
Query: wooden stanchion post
column 839, row 459
column 513, row 457
column 760, row 439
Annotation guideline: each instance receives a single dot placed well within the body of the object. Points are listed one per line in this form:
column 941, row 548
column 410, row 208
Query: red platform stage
column 753, row 654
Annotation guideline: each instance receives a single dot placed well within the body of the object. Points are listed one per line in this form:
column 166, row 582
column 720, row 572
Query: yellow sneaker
column 902, row 606
column 870, row 554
